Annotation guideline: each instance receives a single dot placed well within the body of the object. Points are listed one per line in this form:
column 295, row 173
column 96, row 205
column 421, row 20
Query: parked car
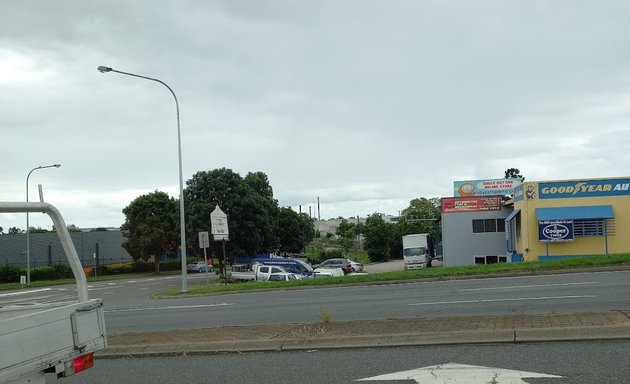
column 199, row 266
column 282, row 276
column 328, row 272
column 296, row 266
column 344, row 264
column 356, row 266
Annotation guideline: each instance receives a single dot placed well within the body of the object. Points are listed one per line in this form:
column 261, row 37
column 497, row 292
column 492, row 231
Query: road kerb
column 373, row 341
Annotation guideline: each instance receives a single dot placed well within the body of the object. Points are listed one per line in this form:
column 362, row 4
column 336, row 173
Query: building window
column 488, row 225
column 490, row 259
column 593, row 227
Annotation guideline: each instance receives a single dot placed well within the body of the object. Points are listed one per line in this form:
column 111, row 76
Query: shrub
column 62, row 271
column 43, row 273
column 142, row 266
column 170, row 265
column 116, row 269
column 10, row 274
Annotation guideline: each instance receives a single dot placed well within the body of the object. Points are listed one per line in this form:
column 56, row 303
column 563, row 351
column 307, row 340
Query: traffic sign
column 204, row 240
column 219, row 224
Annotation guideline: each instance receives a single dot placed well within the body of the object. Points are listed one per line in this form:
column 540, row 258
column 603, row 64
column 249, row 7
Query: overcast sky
column 364, row 104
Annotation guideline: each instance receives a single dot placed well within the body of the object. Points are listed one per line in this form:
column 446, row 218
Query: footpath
column 608, row 325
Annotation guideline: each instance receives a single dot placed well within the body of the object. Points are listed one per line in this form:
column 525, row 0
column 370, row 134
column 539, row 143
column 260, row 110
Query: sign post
column 220, row 232
column 204, row 242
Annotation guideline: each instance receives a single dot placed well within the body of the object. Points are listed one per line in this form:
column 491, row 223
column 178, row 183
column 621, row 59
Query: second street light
column 182, row 223
column 28, row 242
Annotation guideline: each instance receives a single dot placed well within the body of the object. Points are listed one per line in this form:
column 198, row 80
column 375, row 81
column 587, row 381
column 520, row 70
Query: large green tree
column 248, row 203
column 378, row 235
column 151, row 226
column 421, row 216
column 294, row 231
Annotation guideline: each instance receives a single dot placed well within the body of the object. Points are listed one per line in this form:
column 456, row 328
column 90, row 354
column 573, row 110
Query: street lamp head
column 103, row 69
column 56, row 165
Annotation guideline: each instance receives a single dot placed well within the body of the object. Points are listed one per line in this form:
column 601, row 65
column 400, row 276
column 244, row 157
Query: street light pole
column 182, row 222
column 28, row 243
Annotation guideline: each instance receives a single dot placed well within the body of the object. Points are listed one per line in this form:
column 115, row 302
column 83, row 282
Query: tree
column 151, row 226
column 346, row 232
column 377, row 237
column 249, row 205
column 14, row 231
column 421, row 216
column 345, row 228
column 295, row 231
column 513, row 173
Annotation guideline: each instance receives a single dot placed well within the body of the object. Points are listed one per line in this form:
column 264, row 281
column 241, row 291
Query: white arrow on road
column 460, row 374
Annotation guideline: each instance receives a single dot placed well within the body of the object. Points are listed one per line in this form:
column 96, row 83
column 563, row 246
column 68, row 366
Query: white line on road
column 169, row 307
column 506, row 299
column 25, row 292
column 529, row 286
column 108, row 287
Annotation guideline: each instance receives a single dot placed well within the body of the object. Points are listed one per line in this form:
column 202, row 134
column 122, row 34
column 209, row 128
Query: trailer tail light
column 84, row 362
column 76, row 365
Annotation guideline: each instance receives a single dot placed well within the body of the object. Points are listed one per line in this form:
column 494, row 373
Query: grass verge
column 446, row 272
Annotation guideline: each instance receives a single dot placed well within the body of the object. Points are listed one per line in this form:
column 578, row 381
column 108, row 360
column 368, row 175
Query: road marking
column 528, row 286
column 108, row 287
column 24, row 292
column 506, row 299
column 169, row 307
column 461, row 374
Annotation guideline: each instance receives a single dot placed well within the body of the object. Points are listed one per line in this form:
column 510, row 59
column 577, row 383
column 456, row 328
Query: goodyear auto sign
column 584, row 188
column 554, row 231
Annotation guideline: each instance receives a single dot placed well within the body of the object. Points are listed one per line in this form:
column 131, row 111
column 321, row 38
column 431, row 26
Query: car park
column 200, row 267
column 342, row 263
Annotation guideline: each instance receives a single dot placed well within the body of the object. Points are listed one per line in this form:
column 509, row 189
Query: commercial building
column 569, row 218
column 473, row 230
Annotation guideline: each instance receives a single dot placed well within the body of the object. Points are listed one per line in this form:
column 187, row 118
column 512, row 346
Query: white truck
column 58, row 338
column 417, row 250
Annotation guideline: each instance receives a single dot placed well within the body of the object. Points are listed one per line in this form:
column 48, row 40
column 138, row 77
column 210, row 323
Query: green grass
column 418, row 274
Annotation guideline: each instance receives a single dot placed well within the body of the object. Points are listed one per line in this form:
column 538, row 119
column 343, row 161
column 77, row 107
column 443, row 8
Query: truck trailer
column 59, row 337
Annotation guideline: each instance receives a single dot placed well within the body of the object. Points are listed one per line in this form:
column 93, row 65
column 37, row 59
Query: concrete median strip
column 373, row 333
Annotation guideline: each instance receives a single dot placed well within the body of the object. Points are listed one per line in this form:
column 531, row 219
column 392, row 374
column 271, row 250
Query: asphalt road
column 129, row 306
column 535, row 294
column 572, row 362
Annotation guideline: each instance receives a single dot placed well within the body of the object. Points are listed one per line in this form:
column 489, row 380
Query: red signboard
column 471, row 204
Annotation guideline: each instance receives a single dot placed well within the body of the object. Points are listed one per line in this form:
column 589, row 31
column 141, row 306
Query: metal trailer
column 58, row 338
